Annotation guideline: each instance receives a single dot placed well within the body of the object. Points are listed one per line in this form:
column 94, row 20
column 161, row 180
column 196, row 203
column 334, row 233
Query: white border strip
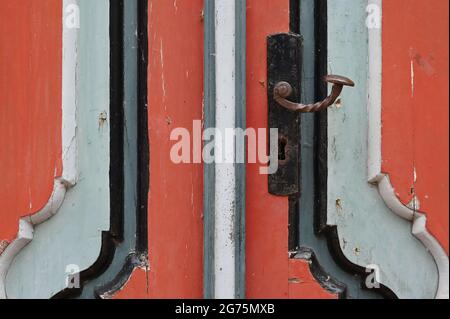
column 224, row 244
column 69, row 148
column 69, row 91
column 374, row 91
column 380, row 179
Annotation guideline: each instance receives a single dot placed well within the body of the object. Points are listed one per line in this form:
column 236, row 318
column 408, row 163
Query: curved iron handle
column 283, row 89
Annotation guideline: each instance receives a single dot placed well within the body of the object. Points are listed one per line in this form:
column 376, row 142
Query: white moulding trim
column 25, row 235
column 377, row 177
column 26, row 230
column 69, row 148
column 51, row 208
column 420, row 231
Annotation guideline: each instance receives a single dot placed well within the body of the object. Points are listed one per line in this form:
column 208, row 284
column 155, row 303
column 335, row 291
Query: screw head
column 283, row 89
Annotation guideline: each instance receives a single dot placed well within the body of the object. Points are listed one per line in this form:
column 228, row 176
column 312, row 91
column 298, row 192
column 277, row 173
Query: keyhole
column 282, row 143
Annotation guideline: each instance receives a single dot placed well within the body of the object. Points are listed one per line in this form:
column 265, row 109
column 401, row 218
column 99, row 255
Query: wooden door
column 116, row 182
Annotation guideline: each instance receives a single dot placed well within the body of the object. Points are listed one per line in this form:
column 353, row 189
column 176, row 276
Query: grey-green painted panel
column 241, row 110
column 209, row 169
column 74, row 235
column 308, row 237
column 103, row 284
column 369, row 232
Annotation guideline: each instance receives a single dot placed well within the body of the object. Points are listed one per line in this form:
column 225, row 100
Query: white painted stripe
column 24, row 236
column 71, row 17
column 374, row 97
column 224, row 246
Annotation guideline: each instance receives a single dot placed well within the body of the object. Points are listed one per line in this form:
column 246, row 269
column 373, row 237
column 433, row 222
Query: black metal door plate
column 284, row 62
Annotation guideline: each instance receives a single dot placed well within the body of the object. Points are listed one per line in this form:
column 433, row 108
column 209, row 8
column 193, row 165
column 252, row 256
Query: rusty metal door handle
column 282, row 90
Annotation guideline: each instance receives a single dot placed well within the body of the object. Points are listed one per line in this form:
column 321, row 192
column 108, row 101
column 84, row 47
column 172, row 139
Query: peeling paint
column 175, row 5
column 102, row 119
column 163, row 80
column 412, row 78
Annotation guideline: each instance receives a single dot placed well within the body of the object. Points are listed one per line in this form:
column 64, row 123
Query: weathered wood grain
column 175, row 86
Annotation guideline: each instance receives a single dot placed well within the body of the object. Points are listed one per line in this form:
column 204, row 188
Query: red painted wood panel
column 303, row 285
column 270, row 272
column 175, row 86
column 30, row 107
column 136, row 287
column 415, row 106
column 267, row 216
column 175, row 204
column 269, row 269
